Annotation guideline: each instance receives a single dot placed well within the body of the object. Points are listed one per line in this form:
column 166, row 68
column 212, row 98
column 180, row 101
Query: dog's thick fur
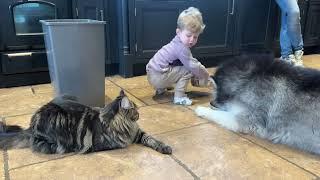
column 268, row 98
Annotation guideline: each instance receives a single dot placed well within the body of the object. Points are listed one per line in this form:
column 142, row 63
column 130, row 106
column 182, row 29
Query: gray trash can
column 76, row 53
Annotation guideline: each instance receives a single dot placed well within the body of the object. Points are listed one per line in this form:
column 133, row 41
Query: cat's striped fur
column 63, row 125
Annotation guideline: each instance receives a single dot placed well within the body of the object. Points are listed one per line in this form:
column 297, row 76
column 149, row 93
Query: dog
column 268, row 98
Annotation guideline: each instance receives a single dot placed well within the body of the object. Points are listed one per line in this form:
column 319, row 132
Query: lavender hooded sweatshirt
column 173, row 51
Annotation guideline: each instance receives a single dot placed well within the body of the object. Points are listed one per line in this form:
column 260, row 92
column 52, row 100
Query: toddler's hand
column 195, row 82
column 202, row 82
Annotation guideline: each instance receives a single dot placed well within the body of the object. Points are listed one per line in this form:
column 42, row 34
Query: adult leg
column 285, row 42
column 291, row 15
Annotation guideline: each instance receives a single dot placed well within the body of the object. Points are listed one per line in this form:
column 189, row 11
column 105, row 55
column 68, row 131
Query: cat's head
column 128, row 107
column 121, row 106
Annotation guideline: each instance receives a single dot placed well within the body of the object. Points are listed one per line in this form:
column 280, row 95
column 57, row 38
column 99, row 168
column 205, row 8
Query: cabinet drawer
column 22, row 62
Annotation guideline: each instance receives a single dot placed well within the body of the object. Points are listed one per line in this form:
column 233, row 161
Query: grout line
column 33, row 91
column 294, row 164
column 27, row 165
column 127, row 90
column 16, row 115
column 161, row 133
column 129, row 93
column 273, row 153
column 247, row 140
column 5, row 160
column 185, row 167
column 148, row 105
column 287, row 160
column 6, row 165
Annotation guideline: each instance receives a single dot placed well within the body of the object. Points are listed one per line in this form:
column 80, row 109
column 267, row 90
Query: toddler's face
column 188, row 38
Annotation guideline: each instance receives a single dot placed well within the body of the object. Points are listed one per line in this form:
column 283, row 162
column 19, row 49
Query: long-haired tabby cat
column 64, row 125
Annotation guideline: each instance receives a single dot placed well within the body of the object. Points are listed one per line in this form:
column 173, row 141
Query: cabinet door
column 312, row 26
column 155, row 25
column 88, row 9
column 96, row 10
column 254, row 24
column 218, row 36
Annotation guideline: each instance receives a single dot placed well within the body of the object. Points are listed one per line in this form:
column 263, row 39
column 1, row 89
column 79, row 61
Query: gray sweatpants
column 178, row 75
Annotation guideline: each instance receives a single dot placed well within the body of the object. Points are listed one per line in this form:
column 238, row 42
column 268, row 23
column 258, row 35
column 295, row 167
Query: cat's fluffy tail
column 13, row 137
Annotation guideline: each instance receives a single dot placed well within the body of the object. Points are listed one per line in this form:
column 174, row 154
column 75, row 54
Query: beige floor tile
column 11, row 97
column 43, row 88
column 312, row 61
column 303, row 159
column 166, row 117
column 211, row 70
column 135, row 162
column 215, row 153
column 107, row 82
column 146, row 94
column 48, row 88
column 200, row 96
column 23, row 103
column 22, row 120
column 18, row 158
column 131, row 83
column 112, row 91
column 11, row 92
column 114, row 77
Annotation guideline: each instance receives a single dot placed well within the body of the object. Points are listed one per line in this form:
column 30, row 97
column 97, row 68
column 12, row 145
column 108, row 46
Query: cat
column 64, row 125
column 268, row 98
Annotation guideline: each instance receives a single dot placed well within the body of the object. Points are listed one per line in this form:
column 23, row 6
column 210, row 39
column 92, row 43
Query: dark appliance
column 23, row 58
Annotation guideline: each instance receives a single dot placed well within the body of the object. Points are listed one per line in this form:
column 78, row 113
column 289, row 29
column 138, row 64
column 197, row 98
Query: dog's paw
column 200, row 111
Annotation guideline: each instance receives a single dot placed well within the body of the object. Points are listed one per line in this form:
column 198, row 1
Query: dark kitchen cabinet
column 102, row 10
column 311, row 33
column 218, row 37
column 88, row 9
column 255, row 24
column 155, row 25
column 156, row 22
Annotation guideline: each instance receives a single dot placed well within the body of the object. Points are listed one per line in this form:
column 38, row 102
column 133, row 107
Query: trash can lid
column 71, row 22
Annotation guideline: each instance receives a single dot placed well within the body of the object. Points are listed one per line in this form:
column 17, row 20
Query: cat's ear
column 125, row 103
column 122, row 93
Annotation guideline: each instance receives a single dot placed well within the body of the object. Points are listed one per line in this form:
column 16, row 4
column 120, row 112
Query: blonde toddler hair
column 191, row 20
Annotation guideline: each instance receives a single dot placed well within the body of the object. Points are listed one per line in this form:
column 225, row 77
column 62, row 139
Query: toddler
column 174, row 64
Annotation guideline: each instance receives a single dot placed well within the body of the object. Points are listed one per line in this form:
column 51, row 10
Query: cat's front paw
column 166, row 150
column 200, row 111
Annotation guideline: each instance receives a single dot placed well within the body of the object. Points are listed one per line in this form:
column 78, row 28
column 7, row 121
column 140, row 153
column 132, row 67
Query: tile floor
column 201, row 150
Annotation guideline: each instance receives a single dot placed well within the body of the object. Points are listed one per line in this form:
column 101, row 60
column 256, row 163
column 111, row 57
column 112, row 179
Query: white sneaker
column 289, row 59
column 182, row 101
column 298, row 58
